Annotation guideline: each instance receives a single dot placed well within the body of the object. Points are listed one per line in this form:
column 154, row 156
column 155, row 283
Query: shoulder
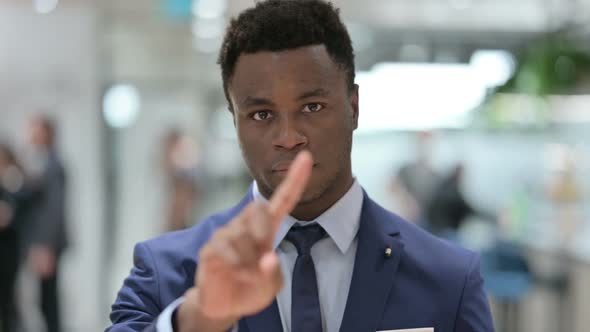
column 185, row 244
column 433, row 250
column 428, row 253
column 171, row 259
column 442, row 272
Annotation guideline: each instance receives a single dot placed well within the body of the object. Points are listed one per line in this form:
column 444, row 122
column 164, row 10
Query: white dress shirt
column 333, row 258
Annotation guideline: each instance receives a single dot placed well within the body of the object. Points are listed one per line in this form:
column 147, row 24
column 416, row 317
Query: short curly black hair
column 277, row 25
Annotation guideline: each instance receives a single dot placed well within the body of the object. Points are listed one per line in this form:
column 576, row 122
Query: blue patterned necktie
column 305, row 301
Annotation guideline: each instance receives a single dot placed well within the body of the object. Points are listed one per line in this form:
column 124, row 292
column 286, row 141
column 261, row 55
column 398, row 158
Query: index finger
column 288, row 193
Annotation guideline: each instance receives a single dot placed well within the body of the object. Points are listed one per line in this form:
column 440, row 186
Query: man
column 45, row 235
column 415, row 183
column 306, row 249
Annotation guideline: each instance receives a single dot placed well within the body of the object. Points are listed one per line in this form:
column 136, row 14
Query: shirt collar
column 341, row 221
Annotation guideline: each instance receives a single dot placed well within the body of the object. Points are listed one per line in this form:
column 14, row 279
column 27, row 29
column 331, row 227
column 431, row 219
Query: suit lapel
column 267, row 320
column 374, row 271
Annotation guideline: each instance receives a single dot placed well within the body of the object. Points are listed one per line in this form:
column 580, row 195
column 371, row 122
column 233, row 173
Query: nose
column 288, row 136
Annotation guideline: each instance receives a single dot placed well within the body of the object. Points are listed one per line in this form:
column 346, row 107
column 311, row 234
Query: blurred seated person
column 180, row 165
column 449, row 208
column 414, row 184
column 11, row 215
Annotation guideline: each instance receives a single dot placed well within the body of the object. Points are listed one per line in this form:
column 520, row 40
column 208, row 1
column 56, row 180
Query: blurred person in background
column 181, row 168
column 289, row 77
column 415, row 183
column 449, row 209
column 564, row 192
column 45, row 235
column 11, row 221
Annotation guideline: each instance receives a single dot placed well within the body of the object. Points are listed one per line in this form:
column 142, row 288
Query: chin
column 313, row 192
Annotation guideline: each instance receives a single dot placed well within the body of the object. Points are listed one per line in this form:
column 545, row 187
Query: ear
column 354, row 103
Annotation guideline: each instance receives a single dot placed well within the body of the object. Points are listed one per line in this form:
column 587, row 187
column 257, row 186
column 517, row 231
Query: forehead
column 295, row 69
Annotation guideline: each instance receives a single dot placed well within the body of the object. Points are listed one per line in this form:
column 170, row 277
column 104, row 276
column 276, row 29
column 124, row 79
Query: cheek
column 250, row 138
column 244, row 133
column 252, row 144
column 332, row 129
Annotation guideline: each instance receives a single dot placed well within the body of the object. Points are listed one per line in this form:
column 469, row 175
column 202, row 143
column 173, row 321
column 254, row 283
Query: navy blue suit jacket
column 425, row 282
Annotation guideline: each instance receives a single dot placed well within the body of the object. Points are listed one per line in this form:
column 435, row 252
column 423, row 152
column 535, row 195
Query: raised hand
column 238, row 272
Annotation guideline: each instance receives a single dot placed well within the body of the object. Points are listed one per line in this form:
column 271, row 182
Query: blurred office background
column 499, row 87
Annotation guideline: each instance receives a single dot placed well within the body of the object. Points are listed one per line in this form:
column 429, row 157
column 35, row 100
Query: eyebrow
column 256, row 101
column 314, row 93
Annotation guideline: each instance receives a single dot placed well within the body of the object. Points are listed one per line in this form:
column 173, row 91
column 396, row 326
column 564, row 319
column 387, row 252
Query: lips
column 283, row 166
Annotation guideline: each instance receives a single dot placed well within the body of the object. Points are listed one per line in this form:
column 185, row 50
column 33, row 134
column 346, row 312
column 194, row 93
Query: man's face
column 38, row 136
column 289, row 101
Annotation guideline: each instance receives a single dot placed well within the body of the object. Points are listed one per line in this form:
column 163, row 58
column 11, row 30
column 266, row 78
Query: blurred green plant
column 553, row 65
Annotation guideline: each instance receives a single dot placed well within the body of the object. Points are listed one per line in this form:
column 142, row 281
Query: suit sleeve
column 474, row 312
column 138, row 306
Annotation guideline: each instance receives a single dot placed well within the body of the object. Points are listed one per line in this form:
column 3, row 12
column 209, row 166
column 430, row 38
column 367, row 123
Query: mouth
column 282, row 167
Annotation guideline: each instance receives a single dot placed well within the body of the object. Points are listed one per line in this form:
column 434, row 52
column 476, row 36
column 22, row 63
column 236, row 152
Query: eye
column 261, row 115
column 312, row 108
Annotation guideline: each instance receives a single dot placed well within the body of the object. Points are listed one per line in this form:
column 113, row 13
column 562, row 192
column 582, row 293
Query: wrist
column 190, row 317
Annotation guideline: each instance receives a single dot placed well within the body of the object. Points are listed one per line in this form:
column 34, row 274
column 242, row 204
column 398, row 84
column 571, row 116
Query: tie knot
column 304, row 237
